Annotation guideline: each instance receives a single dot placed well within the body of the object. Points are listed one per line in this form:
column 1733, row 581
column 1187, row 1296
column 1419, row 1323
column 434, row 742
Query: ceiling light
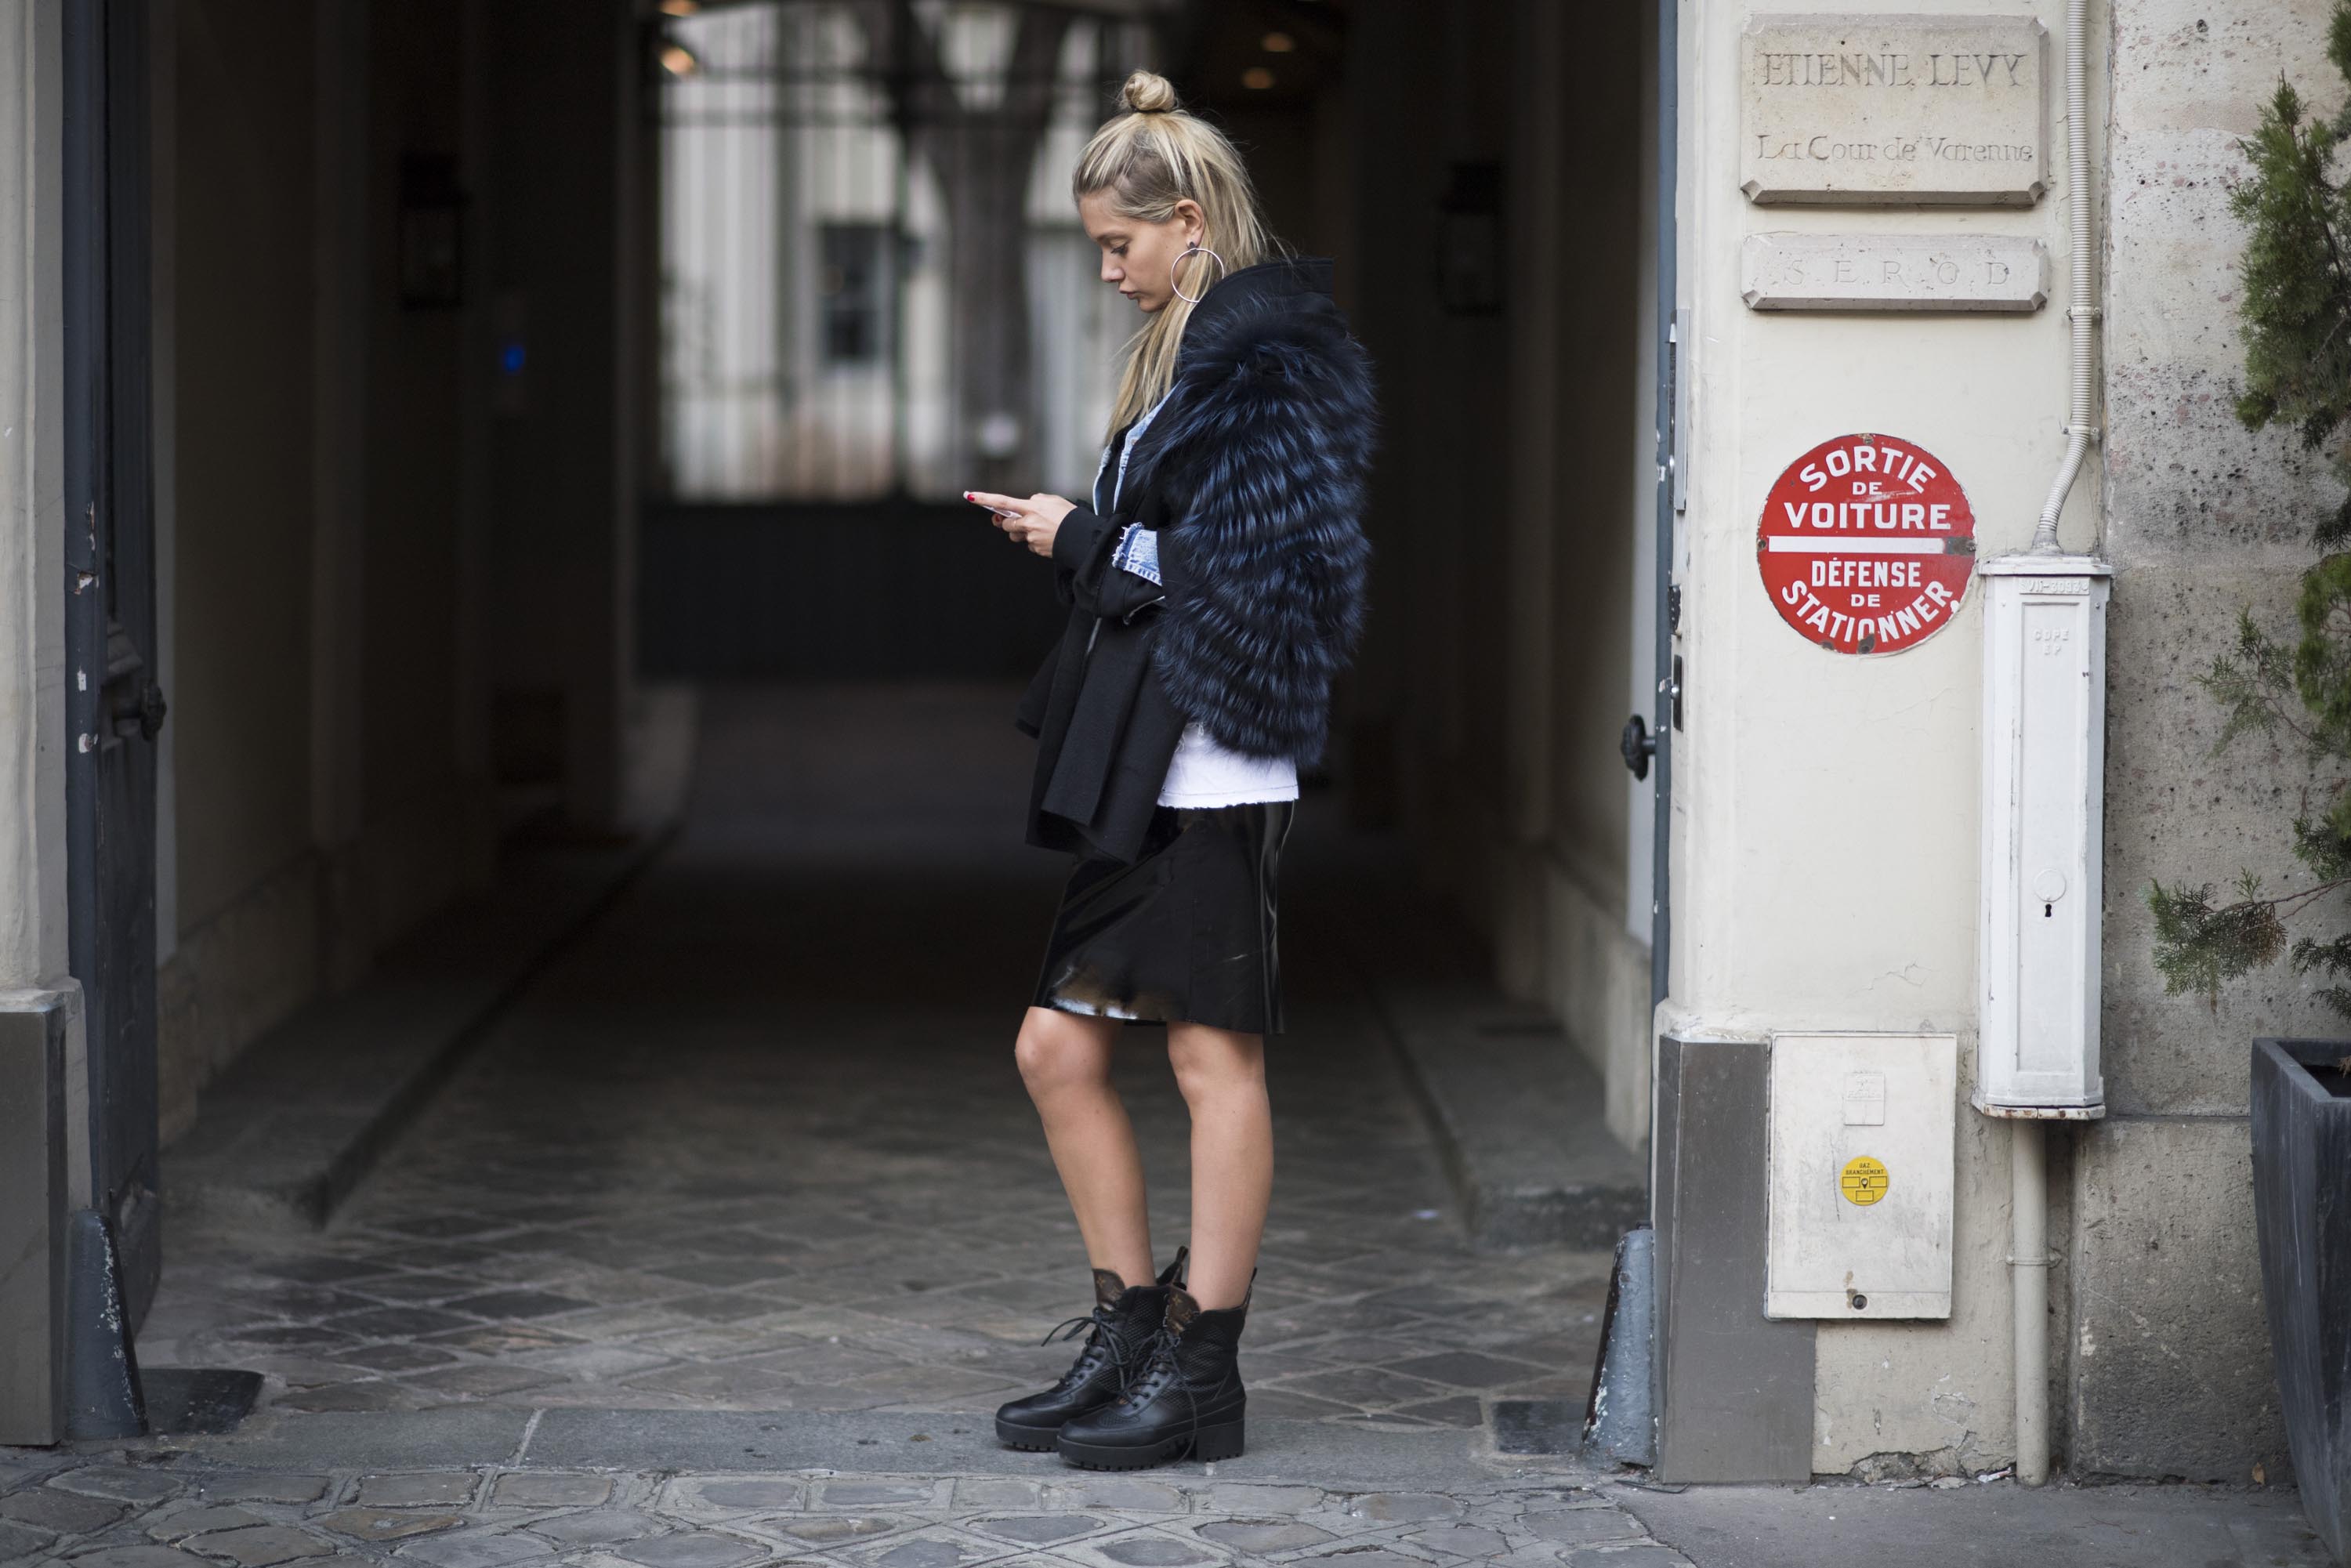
column 1277, row 43
column 678, row 60
column 1257, row 78
column 680, row 7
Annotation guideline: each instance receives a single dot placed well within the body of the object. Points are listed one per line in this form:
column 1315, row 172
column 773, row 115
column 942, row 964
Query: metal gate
column 873, row 278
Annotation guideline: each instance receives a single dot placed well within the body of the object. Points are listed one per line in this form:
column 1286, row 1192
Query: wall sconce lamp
column 432, row 233
column 1469, row 241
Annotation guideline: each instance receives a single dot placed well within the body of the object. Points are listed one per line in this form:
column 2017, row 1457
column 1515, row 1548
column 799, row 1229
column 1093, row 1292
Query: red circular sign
column 1866, row 544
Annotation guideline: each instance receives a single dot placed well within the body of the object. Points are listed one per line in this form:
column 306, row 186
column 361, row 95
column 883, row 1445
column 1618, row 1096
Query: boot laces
column 1102, row 1344
column 1161, row 1371
column 1158, row 1368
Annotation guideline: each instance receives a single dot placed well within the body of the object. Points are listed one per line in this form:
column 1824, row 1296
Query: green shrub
column 2295, row 316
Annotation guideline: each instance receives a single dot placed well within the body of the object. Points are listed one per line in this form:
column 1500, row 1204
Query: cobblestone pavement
column 758, row 1144
column 128, row 1516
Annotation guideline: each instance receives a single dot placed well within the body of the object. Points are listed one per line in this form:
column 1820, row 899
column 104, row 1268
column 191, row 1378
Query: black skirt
column 1183, row 933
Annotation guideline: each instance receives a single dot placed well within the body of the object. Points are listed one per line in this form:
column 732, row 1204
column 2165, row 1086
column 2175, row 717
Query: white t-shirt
column 1203, row 772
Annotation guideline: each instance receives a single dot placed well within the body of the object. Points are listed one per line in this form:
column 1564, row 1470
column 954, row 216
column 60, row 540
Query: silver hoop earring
column 1195, row 249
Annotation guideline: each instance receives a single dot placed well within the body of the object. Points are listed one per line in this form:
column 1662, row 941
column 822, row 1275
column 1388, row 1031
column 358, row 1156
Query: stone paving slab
column 451, row 1434
column 684, row 1516
column 1846, row 1525
column 680, row 1517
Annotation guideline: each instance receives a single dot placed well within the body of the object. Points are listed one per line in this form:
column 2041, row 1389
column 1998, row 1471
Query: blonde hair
column 1150, row 156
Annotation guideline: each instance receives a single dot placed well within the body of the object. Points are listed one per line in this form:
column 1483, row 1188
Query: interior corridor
column 756, row 1142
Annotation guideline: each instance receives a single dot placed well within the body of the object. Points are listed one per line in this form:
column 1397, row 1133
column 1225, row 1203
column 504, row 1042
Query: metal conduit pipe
column 2028, row 1166
column 2082, row 314
column 2029, row 1279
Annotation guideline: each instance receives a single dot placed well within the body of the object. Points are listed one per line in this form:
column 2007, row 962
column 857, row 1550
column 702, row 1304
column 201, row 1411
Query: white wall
column 32, row 490
column 33, row 939
column 2169, row 1351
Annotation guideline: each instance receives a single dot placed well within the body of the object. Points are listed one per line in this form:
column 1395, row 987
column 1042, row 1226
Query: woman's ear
column 1194, row 221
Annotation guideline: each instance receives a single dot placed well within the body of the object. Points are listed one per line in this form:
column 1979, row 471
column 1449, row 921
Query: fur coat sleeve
column 1262, row 454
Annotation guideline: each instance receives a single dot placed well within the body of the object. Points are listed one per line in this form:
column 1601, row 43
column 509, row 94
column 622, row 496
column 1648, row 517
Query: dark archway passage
column 756, row 1142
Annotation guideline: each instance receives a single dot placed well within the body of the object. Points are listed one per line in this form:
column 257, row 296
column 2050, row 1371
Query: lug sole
column 1222, row 1441
column 1029, row 1440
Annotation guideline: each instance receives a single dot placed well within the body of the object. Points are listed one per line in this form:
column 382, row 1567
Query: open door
column 113, row 707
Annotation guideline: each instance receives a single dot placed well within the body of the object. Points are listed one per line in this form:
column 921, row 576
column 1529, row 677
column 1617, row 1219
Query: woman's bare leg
column 1065, row 1060
column 1222, row 1075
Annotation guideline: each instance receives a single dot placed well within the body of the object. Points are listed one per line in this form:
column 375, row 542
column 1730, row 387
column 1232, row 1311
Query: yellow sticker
column 1863, row 1180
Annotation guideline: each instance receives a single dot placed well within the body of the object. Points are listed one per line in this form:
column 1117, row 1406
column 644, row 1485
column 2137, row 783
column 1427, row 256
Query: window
column 846, row 192
column 853, row 286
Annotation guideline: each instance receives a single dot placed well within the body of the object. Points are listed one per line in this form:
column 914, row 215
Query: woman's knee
column 1215, row 1064
column 1055, row 1051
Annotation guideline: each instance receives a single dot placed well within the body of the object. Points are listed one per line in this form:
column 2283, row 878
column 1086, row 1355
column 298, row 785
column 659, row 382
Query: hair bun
column 1147, row 92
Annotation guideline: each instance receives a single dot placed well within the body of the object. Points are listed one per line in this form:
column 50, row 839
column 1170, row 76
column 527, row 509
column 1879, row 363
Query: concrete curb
column 761, row 1441
column 1520, row 1119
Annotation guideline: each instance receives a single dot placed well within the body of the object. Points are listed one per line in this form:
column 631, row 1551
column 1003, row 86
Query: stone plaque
column 1894, row 272
column 1894, row 111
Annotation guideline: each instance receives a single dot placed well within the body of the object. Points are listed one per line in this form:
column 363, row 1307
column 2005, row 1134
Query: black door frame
column 1665, row 710
column 111, row 706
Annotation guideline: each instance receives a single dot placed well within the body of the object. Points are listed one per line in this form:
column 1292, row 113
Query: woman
column 1216, row 587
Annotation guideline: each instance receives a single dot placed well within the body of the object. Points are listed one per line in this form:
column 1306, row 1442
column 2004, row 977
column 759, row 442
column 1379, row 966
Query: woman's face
column 1137, row 257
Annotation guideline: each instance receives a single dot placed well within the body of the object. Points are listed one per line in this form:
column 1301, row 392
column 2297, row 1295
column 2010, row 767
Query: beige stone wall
column 1505, row 510
column 562, row 483
column 1825, row 813
column 32, row 492
column 245, row 867
column 322, row 508
column 33, row 952
column 242, row 709
column 2170, row 1356
column 1421, row 99
column 419, row 847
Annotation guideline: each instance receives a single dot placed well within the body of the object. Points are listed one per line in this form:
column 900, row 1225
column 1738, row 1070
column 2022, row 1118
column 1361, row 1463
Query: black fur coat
column 1251, row 475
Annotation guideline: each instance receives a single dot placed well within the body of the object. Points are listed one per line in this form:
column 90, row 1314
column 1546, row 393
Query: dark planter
column 2302, row 1206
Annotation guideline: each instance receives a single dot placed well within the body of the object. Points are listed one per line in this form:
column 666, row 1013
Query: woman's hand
column 1032, row 521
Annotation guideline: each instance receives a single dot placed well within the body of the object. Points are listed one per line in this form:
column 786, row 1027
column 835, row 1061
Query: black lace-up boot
column 1119, row 1334
column 1185, row 1401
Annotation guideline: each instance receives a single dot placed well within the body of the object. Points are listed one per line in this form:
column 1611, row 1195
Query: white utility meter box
column 2044, row 726
column 1862, row 1132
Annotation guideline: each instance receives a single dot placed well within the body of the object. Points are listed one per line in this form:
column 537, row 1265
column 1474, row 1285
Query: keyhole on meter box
column 2049, row 886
